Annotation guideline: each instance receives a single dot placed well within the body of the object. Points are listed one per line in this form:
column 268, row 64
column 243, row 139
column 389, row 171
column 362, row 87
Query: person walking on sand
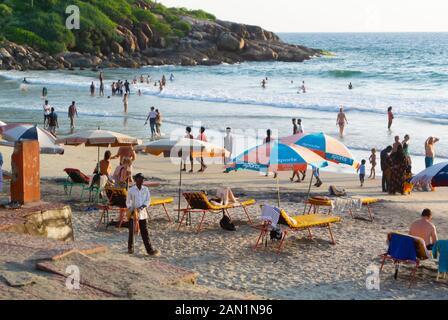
column 92, row 89
column 202, row 137
column 390, row 117
column 372, row 160
column 188, row 135
column 152, row 116
column 385, row 162
column 53, row 122
column 47, row 111
column 362, row 172
column 341, row 120
column 158, row 122
column 125, row 102
column 137, row 202
column 430, row 151
column 72, row 113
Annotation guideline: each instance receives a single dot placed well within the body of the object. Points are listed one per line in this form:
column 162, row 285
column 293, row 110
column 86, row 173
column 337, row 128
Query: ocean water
column 408, row 71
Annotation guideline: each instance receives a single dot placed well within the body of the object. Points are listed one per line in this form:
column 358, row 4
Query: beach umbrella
column 327, row 147
column 436, row 175
column 175, row 148
column 98, row 138
column 276, row 156
column 18, row 132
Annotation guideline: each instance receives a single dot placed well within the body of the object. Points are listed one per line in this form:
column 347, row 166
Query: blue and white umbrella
column 19, row 132
column 436, row 175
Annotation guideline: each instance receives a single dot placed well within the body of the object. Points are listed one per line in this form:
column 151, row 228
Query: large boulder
column 129, row 41
column 142, row 39
column 230, row 42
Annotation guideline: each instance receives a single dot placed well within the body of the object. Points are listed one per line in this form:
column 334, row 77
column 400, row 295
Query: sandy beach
column 305, row 269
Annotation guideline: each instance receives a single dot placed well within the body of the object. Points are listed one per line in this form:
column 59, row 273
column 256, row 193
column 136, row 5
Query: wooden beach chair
column 405, row 249
column 77, row 178
column 198, row 202
column 116, row 202
column 298, row 223
column 366, row 202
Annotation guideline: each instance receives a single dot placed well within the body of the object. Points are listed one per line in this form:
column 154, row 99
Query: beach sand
column 305, row 269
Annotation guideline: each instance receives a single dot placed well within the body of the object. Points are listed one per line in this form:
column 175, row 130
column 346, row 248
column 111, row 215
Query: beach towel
column 402, row 247
column 226, row 196
column 440, row 250
column 271, row 214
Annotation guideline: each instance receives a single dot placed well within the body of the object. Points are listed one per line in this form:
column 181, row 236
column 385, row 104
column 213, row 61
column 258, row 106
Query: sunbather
column 425, row 229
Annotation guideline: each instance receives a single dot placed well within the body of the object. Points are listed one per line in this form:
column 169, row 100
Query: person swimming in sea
column 263, row 83
column 44, row 92
column 350, row 86
column 25, row 81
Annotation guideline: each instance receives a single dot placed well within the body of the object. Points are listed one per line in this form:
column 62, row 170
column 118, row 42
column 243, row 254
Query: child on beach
column 372, row 160
column 362, row 171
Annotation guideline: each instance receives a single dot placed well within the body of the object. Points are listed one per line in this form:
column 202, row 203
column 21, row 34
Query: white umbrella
column 99, row 138
column 2, row 123
column 19, row 132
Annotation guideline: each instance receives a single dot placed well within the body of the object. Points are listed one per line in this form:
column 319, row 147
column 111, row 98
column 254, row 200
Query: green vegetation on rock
column 41, row 23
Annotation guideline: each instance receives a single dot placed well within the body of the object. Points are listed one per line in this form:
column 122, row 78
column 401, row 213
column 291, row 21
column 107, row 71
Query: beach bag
column 276, row 234
column 227, row 224
column 335, row 191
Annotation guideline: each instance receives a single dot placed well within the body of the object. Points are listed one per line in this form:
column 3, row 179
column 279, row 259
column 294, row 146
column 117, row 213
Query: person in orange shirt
column 125, row 152
column 425, row 229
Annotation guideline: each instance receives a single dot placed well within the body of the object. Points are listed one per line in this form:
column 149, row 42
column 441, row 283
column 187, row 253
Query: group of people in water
column 123, row 88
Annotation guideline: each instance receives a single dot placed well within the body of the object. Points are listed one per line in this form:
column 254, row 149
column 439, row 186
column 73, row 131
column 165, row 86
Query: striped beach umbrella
column 18, row 132
column 436, row 175
column 327, row 147
column 275, row 157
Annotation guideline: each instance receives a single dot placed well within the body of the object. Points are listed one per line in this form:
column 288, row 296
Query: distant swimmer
column 350, row 86
column 263, row 83
column 303, row 87
column 44, row 92
column 92, row 89
column 142, row 80
column 25, row 81
column 341, row 120
column 390, row 117
column 171, row 77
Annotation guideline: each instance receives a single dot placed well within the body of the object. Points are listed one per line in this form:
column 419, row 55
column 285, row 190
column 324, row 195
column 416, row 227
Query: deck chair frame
column 186, row 212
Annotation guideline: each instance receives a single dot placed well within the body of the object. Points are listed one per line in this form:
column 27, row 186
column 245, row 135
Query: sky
column 329, row 15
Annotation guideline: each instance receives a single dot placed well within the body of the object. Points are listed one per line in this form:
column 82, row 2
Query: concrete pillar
column 25, row 165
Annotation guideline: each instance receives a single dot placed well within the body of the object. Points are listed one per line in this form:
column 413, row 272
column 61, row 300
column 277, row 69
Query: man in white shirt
column 228, row 144
column 47, row 111
column 152, row 121
column 138, row 200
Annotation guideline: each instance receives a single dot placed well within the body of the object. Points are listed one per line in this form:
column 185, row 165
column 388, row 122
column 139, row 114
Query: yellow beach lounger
column 299, row 222
column 198, row 202
column 157, row 201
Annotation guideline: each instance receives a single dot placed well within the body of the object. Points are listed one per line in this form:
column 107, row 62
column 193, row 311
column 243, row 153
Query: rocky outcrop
column 207, row 43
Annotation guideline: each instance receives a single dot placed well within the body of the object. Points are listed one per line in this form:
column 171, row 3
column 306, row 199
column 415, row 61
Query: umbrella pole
column 278, row 192
column 179, row 191
column 309, row 187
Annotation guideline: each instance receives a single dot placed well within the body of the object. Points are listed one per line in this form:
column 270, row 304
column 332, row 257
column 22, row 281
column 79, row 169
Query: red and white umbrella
column 99, row 138
column 21, row 131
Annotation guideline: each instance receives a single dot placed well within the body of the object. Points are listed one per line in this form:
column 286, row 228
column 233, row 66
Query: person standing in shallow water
column 92, row 89
column 72, row 113
column 390, row 118
column 341, row 120
column 125, row 102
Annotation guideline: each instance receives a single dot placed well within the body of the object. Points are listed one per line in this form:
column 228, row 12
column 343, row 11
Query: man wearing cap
column 137, row 202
